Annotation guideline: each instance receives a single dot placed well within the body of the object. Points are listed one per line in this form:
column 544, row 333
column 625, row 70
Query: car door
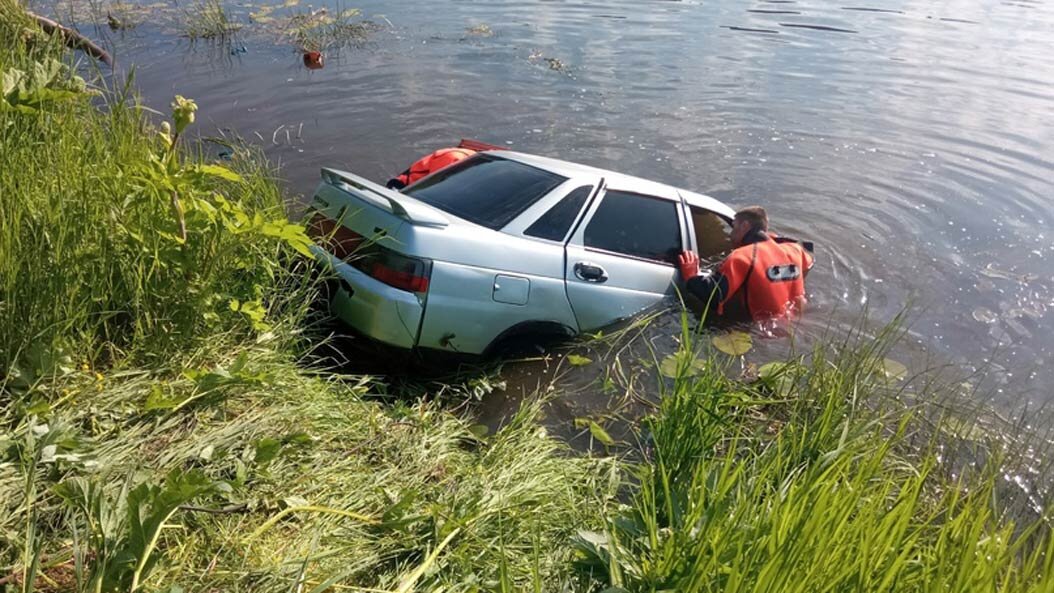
column 620, row 259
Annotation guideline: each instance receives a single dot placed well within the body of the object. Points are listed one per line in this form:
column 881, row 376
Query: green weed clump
column 321, row 30
column 208, row 19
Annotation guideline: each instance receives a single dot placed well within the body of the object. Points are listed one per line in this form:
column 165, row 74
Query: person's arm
column 712, row 289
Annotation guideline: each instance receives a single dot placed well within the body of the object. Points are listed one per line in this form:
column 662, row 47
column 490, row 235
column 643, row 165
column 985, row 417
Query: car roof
column 570, row 170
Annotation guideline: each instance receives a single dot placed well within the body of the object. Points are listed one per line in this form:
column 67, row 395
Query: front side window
column 635, row 225
column 555, row 223
column 485, row 189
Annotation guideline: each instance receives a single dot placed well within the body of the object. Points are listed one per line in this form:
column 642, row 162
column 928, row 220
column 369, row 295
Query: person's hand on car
column 688, row 263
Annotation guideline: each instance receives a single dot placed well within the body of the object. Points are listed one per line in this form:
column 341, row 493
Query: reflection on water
column 911, row 141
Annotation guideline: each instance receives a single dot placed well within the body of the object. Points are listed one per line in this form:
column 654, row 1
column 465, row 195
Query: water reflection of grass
column 159, row 430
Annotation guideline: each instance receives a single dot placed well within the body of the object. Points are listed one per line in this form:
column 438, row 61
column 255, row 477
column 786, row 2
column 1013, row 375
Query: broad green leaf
column 733, row 343
column 266, row 450
column 38, row 408
column 479, row 430
column 779, row 376
column 9, row 80
column 578, row 361
column 671, row 366
column 772, row 369
column 219, row 171
column 157, row 400
column 893, row 369
column 600, row 434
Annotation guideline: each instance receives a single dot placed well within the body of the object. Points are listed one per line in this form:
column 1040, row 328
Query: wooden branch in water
column 73, row 39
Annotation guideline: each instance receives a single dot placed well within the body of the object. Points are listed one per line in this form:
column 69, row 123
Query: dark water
column 912, row 141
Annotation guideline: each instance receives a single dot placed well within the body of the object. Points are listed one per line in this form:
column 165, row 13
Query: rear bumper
column 372, row 307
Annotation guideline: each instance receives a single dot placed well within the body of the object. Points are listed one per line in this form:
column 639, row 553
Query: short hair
column 756, row 216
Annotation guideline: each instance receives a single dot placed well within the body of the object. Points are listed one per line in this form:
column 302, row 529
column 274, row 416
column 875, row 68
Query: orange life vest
column 429, row 164
column 767, row 277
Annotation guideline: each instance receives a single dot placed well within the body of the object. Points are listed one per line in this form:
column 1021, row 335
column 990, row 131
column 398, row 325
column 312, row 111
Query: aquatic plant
column 319, row 30
column 207, row 19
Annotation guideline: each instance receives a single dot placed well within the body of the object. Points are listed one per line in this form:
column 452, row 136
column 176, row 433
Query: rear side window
column 555, row 223
column 485, row 189
column 635, row 225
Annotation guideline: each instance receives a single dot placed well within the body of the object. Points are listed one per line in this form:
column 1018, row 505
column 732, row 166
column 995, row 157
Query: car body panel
column 384, row 313
column 463, row 316
column 631, row 284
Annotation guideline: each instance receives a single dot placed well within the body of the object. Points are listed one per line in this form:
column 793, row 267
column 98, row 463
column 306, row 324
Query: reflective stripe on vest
column 768, row 276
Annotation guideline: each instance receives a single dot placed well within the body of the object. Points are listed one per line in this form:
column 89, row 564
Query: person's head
column 748, row 221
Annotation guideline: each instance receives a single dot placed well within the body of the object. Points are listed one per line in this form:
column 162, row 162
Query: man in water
column 763, row 277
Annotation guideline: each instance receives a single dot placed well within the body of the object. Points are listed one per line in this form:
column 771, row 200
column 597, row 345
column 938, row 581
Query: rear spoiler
column 398, row 204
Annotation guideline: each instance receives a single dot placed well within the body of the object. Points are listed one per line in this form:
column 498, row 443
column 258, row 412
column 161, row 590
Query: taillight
column 394, row 269
column 398, row 271
column 335, row 238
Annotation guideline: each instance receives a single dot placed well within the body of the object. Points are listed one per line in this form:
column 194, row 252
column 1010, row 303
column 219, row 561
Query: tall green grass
column 819, row 479
column 93, row 262
column 157, row 432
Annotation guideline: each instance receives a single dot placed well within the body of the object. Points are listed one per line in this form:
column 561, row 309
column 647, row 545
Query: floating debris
column 985, row 315
column 866, row 9
column 118, row 24
column 482, row 30
column 750, row 30
column 818, row 28
column 263, row 15
column 993, row 272
column 314, row 60
column 578, row 360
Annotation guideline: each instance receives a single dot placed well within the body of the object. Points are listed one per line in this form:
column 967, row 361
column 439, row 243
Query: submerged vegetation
column 162, row 428
column 208, row 19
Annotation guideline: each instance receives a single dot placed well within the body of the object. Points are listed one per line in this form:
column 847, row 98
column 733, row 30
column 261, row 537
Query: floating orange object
column 314, row 60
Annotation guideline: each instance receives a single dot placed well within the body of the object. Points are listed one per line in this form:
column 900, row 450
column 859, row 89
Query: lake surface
column 911, row 140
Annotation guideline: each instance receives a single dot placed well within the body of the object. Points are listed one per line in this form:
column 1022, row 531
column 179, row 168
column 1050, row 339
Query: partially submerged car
column 504, row 246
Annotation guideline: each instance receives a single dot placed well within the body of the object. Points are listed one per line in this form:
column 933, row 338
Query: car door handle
column 590, row 272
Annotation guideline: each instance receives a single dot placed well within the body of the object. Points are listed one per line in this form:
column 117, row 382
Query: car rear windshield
column 487, row 190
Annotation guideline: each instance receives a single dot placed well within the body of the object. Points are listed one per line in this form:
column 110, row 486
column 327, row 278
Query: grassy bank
column 160, row 431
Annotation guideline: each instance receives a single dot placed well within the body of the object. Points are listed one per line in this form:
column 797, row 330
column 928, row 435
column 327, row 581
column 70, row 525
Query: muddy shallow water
column 910, row 140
